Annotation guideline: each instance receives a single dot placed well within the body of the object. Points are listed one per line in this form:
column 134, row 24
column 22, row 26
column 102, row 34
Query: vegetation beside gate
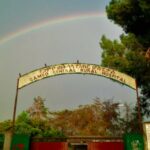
column 101, row 118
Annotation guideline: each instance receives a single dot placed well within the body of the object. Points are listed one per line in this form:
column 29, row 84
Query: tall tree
column 38, row 111
column 100, row 118
column 131, row 54
column 133, row 16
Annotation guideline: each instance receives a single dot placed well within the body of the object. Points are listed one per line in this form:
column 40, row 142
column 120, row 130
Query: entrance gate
column 76, row 68
column 77, row 143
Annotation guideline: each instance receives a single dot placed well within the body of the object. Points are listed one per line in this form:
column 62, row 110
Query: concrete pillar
column 146, row 126
column 7, row 140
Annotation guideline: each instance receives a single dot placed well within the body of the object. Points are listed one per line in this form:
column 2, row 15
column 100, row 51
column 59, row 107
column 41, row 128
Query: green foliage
column 125, row 55
column 101, row 118
column 53, row 133
column 37, row 128
column 129, row 55
column 133, row 16
column 145, row 99
column 23, row 128
column 23, row 117
column 6, row 125
column 35, row 122
column 113, row 54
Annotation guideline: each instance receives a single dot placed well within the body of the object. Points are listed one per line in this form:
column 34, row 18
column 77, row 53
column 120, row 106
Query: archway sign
column 75, row 68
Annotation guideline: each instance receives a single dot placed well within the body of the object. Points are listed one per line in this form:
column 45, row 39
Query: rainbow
column 48, row 23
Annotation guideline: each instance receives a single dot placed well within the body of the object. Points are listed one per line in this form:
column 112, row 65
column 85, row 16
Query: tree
column 126, row 56
column 133, row 16
column 5, row 125
column 23, row 124
column 38, row 111
column 101, row 118
column 127, row 120
column 34, row 121
column 131, row 54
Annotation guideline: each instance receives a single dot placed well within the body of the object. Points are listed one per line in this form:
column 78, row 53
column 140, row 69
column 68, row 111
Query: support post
column 15, row 106
column 139, row 109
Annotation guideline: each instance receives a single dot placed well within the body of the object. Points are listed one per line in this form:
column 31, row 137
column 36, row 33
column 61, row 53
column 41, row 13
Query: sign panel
column 147, row 134
column 75, row 68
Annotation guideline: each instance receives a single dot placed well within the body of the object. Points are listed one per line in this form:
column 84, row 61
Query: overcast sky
column 33, row 33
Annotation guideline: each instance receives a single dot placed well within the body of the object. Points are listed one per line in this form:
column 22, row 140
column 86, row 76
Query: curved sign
column 75, row 68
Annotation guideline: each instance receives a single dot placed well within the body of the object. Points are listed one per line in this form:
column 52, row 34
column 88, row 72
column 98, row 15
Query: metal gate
column 49, row 146
column 106, row 146
column 48, row 143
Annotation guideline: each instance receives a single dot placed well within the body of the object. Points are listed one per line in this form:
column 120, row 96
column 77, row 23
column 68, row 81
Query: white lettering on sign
column 75, row 68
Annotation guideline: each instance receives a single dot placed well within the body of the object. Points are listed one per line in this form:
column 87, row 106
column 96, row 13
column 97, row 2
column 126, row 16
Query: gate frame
column 79, row 72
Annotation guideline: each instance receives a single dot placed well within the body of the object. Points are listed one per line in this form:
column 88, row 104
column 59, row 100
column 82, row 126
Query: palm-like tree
column 38, row 111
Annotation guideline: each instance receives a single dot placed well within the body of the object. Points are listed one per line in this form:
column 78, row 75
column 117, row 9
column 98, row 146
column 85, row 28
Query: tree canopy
column 133, row 16
column 101, row 118
column 130, row 54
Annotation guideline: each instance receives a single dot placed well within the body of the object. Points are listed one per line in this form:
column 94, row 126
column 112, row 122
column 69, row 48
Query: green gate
column 133, row 141
column 20, row 142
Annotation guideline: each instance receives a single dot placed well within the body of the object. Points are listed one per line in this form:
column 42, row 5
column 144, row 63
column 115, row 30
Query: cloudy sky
column 34, row 33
